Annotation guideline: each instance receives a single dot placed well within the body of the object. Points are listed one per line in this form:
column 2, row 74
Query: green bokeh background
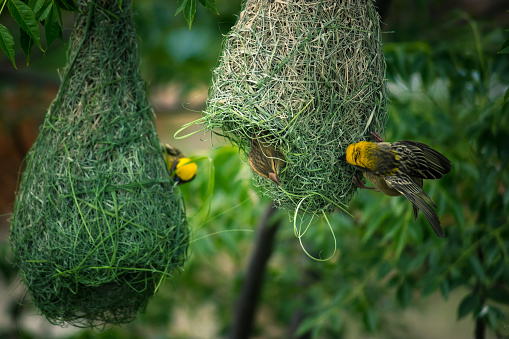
column 390, row 276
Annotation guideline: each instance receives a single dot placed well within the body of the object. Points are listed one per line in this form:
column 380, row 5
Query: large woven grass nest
column 310, row 77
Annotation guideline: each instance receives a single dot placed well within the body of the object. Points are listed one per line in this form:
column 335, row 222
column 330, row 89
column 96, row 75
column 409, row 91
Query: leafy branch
column 29, row 15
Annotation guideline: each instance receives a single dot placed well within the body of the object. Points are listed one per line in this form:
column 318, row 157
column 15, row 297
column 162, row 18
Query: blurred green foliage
column 448, row 94
column 171, row 50
column 448, row 87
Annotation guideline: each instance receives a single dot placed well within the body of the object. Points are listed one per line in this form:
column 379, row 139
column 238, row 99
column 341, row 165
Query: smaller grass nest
column 310, row 78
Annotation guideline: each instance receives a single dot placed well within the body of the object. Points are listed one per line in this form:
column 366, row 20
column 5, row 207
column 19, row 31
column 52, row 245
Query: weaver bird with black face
column 265, row 160
column 184, row 169
column 399, row 168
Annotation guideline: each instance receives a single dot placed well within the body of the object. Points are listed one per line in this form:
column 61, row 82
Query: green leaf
column 505, row 48
column 210, row 4
column 306, row 326
column 393, row 281
column 26, row 44
column 400, row 239
column 370, row 320
column 416, row 263
column 68, row 5
column 490, row 255
column 370, row 230
column 36, row 5
column 52, row 27
column 25, row 18
column 181, row 4
column 445, row 288
column 506, row 97
column 404, row 294
column 494, row 316
column 384, row 269
column 59, row 11
column 429, row 288
column 434, row 258
column 7, row 44
column 468, row 304
column 499, row 294
column 40, row 4
column 45, row 10
column 188, row 7
column 189, row 12
column 477, row 268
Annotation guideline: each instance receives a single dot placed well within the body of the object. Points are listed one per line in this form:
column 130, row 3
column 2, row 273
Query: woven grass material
column 98, row 223
column 310, row 77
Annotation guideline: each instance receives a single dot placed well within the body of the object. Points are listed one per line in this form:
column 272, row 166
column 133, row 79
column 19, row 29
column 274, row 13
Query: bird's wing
column 258, row 159
column 174, row 152
column 419, row 199
column 420, row 160
column 386, row 162
column 172, row 156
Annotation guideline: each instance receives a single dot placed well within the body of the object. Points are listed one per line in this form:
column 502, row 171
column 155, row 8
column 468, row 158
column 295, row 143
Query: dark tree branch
column 297, row 319
column 480, row 328
column 248, row 300
column 480, row 325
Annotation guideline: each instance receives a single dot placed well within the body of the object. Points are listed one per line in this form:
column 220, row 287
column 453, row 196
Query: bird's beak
column 273, row 177
column 343, row 157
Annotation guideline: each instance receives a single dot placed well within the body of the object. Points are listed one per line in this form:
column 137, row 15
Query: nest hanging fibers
column 97, row 222
column 309, row 77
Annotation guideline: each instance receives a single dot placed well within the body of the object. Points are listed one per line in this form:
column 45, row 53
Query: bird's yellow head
column 359, row 154
column 185, row 170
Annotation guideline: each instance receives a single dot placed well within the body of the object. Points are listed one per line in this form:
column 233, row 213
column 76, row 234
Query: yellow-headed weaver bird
column 184, row 169
column 399, row 168
column 265, row 160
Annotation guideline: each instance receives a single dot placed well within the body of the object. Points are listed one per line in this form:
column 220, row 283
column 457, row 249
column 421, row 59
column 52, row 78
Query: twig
column 253, row 283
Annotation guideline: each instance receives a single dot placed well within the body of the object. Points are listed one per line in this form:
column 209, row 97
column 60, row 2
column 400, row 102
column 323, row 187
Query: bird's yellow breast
column 186, row 169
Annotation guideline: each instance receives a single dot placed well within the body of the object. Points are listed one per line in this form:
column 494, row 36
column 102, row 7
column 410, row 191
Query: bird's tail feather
column 424, row 203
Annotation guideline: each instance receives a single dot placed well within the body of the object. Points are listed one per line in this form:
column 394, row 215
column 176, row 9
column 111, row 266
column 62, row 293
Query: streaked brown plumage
column 399, row 169
column 265, row 160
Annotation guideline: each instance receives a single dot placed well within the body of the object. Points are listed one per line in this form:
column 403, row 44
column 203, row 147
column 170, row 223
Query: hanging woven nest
column 97, row 222
column 310, row 78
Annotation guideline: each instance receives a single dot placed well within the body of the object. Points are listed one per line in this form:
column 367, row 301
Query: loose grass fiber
column 310, row 77
column 98, row 223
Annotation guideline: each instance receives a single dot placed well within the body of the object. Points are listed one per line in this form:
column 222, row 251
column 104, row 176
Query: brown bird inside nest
column 265, row 160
